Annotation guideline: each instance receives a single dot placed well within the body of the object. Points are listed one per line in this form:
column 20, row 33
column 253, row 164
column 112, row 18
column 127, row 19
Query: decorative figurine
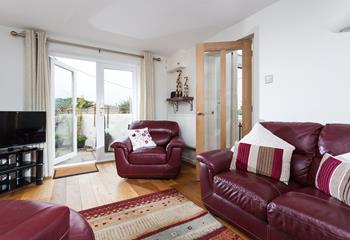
column 186, row 87
column 179, row 84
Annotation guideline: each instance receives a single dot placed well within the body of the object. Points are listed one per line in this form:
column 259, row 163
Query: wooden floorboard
column 94, row 189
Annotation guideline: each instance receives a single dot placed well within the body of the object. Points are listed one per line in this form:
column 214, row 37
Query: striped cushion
column 267, row 161
column 333, row 178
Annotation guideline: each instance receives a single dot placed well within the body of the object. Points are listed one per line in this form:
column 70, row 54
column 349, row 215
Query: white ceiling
column 161, row 26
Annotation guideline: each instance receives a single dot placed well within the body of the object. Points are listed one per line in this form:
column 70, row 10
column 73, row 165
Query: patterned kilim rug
column 157, row 216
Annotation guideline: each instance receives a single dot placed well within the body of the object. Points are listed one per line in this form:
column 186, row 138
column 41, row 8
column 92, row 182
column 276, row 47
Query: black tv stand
column 13, row 149
column 20, row 166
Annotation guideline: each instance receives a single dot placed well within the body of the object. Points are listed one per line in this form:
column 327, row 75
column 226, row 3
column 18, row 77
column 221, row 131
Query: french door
column 116, row 105
column 65, row 112
column 92, row 108
column 224, row 94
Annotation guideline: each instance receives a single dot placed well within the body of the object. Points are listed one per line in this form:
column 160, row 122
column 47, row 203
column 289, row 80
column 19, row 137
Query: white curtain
column 38, row 88
column 147, row 88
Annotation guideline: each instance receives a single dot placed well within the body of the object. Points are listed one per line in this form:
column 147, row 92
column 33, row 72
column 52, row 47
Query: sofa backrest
column 335, row 140
column 161, row 131
column 305, row 137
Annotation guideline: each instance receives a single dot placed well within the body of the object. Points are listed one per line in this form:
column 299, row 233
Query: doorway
column 224, row 94
column 94, row 103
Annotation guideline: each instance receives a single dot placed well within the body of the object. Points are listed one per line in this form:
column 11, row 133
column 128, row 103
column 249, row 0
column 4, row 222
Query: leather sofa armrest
column 175, row 142
column 125, row 145
column 217, row 160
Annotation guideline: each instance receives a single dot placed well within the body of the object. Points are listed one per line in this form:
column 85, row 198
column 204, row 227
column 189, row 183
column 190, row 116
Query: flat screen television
column 22, row 128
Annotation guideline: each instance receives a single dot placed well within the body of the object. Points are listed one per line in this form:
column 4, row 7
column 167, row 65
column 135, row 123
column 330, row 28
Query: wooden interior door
column 216, row 54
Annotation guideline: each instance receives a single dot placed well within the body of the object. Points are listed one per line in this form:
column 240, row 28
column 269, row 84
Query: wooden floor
column 103, row 187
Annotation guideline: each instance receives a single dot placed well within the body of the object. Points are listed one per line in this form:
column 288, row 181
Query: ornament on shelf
column 179, row 84
column 186, row 87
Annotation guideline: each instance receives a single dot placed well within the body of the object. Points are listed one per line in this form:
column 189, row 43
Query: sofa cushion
column 148, row 156
column 140, row 138
column 161, row 131
column 310, row 214
column 33, row 220
column 161, row 138
column 249, row 191
column 304, row 136
column 266, row 161
column 335, row 139
column 262, row 152
column 333, row 177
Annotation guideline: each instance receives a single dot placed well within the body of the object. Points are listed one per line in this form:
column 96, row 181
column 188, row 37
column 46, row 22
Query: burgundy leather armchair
column 267, row 209
column 162, row 161
column 33, row 220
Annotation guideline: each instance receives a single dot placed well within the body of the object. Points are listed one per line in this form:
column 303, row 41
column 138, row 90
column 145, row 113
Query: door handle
column 200, row 114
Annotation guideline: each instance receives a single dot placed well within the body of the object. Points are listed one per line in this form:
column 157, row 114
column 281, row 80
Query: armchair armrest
column 125, row 145
column 217, row 160
column 175, row 142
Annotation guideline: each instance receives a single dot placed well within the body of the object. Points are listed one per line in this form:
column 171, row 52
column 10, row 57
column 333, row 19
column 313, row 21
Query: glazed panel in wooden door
column 224, row 105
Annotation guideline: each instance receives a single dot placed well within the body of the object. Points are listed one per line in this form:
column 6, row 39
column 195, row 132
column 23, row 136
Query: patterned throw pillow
column 333, row 178
column 262, row 152
column 266, row 161
column 140, row 138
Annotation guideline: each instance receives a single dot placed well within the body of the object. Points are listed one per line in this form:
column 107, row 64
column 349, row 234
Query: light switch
column 268, row 79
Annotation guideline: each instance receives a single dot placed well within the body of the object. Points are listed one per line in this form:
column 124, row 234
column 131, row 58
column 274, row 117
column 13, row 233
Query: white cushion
column 344, row 157
column 260, row 136
column 140, row 138
column 261, row 148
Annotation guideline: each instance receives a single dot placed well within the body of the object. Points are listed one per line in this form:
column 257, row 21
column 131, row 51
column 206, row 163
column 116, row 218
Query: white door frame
column 54, row 63
column 100, row 66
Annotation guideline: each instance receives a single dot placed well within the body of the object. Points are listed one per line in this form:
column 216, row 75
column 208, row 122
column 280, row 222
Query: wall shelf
column 176, row 100
column 176, row 69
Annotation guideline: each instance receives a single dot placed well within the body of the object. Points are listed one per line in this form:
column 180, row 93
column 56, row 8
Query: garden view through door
column 115, row 106
column 64, row 113
column 93, row 107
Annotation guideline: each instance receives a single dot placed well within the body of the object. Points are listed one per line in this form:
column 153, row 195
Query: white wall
column 11, row 71
column 185, row 117
column 297, row 42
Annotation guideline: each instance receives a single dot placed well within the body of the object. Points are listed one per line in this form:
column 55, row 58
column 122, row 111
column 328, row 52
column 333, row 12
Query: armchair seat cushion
column 249, row 191
column 148, row 156
column 308, row 212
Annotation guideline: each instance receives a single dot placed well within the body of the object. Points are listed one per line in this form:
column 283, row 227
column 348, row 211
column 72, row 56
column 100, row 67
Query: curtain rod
column 21, row 34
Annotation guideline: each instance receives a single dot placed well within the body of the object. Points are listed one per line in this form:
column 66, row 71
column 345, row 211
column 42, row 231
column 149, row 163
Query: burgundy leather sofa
column 162, row 161
column 267, row 209
column 32, row 220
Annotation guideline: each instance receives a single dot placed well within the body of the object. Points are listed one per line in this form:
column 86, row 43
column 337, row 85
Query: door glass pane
column 212, row 77
column 234, row 97
column 85, row 109
column 63, row 111
column 118, row 87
